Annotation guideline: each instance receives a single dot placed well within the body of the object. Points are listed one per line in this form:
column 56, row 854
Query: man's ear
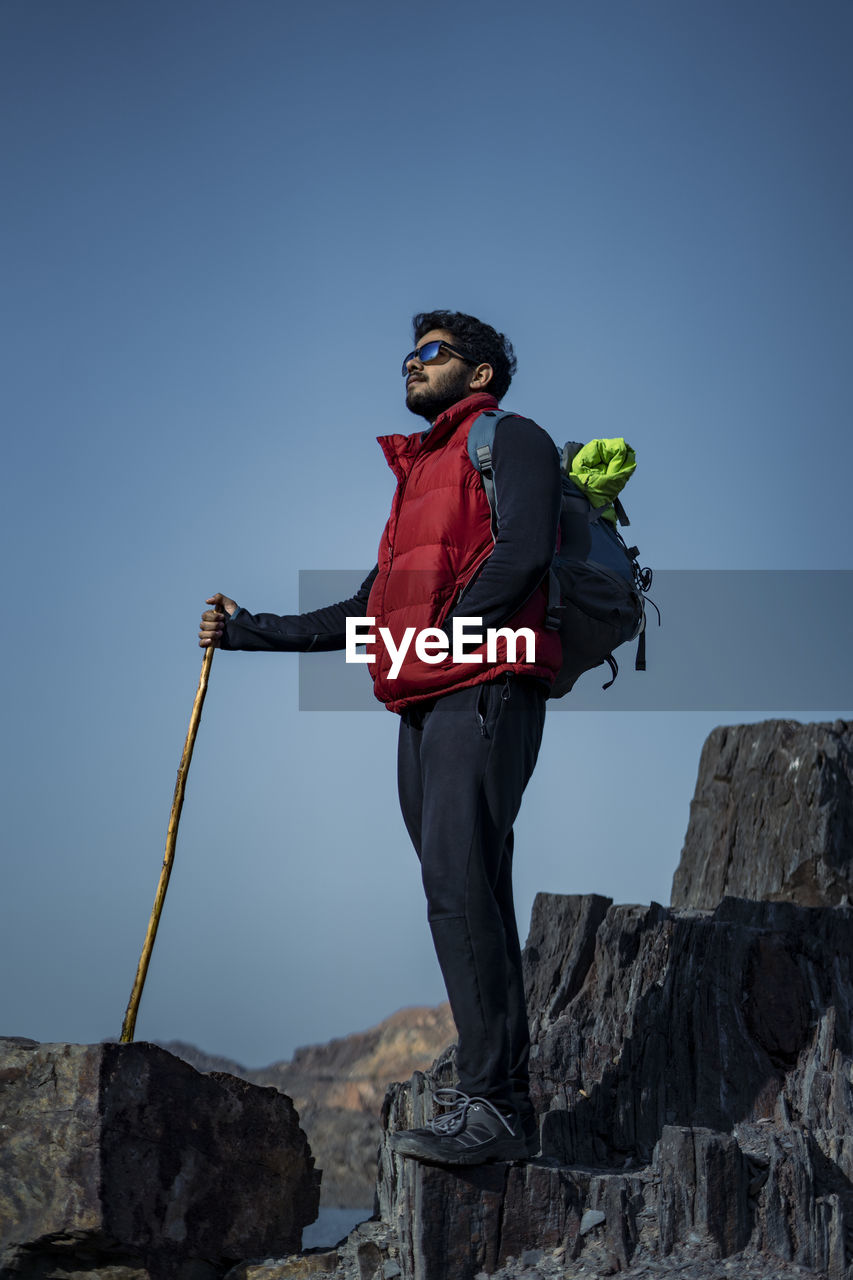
column 481, row 377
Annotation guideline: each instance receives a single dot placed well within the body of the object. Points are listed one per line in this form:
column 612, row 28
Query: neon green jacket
column 601, row 469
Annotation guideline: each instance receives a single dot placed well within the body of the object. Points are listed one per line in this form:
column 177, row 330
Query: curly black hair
column 478, row 340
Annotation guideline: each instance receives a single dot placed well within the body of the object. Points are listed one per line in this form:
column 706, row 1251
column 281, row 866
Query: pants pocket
column 490, row 697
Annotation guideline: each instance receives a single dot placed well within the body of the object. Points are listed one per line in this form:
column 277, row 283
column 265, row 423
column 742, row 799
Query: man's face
column 433, row 388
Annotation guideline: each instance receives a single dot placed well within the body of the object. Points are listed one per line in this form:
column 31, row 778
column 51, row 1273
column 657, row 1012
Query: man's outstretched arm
column 320, row 631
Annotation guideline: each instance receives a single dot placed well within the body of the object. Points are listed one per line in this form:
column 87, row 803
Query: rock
column 316, row 1264
column 552, row 976
column 688, row 1033
column 461, row 1222
column 703, row 1196
column 772, row 817
column 686, row 1019
column 805, row 1212
column 122, row 1156
column 366, row 1252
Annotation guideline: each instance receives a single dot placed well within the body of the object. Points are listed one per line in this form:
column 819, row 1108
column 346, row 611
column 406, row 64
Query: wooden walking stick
column 129, row 1023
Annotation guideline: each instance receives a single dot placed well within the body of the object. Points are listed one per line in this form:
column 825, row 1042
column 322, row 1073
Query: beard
column 428, row 401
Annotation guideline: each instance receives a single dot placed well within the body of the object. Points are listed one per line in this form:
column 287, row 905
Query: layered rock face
column 697, row 1086
column 123, row 1157
column 772, row 817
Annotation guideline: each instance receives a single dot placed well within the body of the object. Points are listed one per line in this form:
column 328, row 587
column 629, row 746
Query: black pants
column 463, row 763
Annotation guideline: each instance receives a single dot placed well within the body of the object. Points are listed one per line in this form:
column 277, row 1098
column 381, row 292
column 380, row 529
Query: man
column 470, row 722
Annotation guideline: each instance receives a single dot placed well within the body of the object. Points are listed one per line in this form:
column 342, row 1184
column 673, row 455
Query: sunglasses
column 437, row 352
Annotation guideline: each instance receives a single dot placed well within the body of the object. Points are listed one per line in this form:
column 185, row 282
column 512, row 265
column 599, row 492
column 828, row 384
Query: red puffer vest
column 437, row 537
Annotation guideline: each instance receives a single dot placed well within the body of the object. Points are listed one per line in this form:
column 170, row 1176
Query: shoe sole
column 499, row 1151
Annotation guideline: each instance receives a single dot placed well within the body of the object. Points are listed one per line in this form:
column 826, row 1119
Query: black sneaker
column 472, row 1131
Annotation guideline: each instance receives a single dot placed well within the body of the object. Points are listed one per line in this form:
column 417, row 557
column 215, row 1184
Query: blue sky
column 217, row 222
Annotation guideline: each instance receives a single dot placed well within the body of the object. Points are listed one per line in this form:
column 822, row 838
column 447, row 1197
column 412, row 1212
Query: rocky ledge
column 696, row 1090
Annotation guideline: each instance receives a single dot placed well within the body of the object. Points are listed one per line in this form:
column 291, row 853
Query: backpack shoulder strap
column 481, row 437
